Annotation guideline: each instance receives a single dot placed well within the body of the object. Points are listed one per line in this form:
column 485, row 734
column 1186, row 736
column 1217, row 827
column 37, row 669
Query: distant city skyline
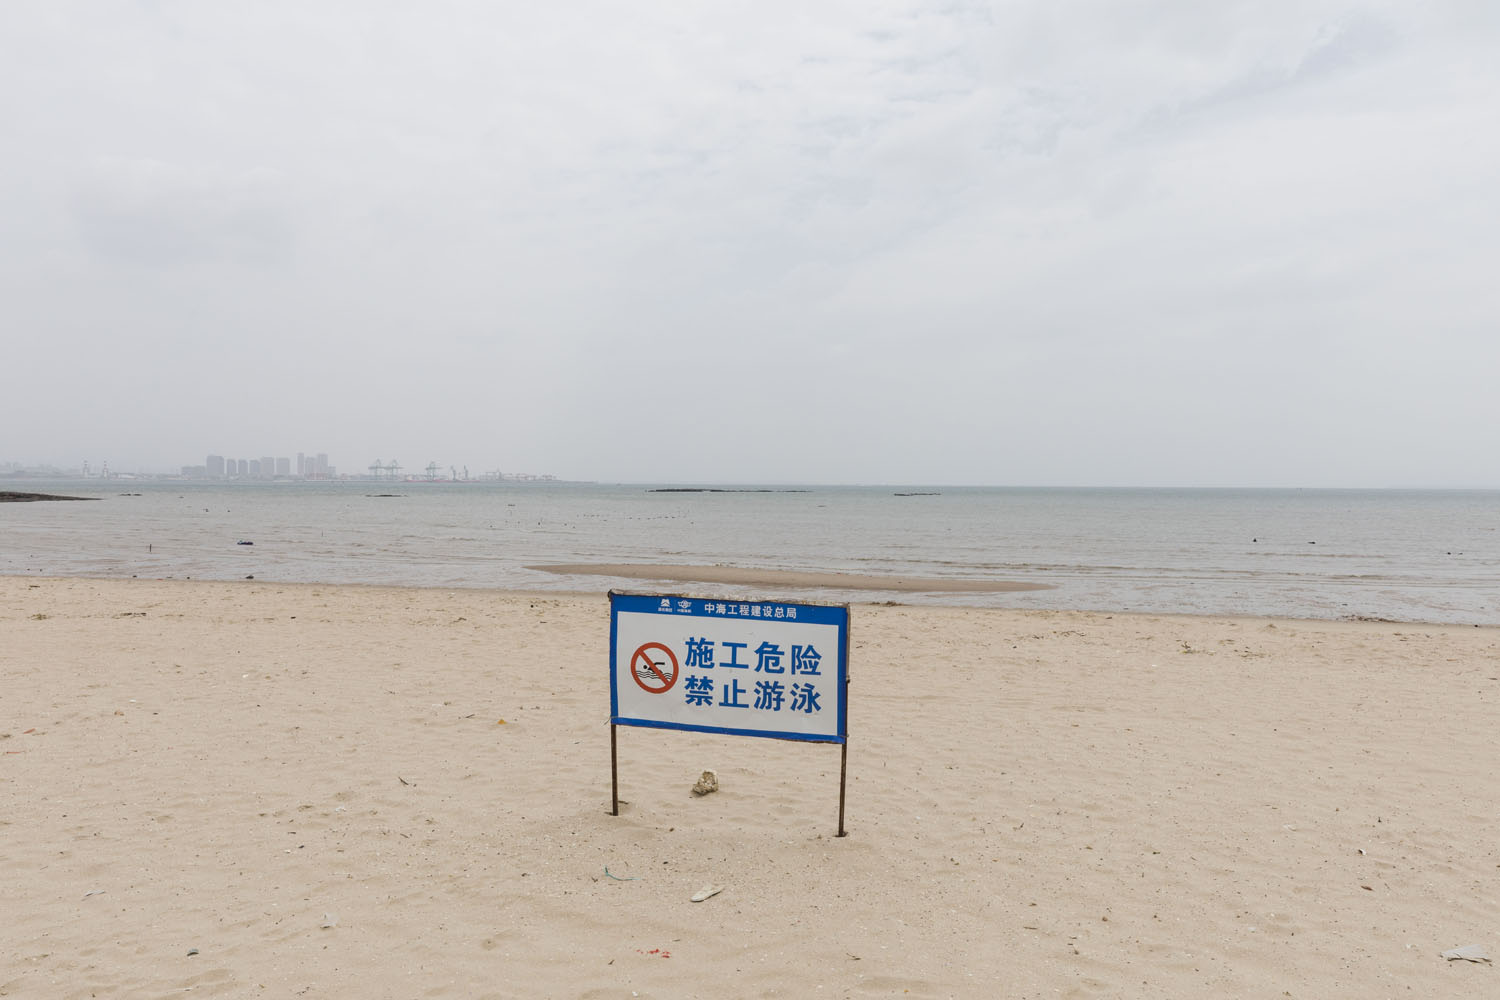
column 265, row 467
column 269, row 468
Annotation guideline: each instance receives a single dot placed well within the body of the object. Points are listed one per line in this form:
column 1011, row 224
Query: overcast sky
column 1163, row 242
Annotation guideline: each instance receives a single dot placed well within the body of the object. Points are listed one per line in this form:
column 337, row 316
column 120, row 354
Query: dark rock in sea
column 8, row 496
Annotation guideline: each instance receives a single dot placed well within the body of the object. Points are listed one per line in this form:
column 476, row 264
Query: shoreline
column 501, row 592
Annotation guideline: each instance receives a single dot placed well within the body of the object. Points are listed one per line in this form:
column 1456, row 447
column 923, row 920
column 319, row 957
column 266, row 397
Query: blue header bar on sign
column 818, row 614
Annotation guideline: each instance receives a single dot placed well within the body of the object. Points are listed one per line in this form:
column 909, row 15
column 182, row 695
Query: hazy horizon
column 897, row 242
column 730, row 485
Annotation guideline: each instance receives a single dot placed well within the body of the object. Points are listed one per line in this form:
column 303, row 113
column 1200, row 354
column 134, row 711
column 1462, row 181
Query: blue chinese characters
column 768, row 695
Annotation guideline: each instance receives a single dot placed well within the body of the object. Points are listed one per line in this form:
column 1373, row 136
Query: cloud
column 154, row 214
column 740, row 230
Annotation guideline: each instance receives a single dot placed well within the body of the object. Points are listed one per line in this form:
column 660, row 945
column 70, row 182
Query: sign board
column 748, row 668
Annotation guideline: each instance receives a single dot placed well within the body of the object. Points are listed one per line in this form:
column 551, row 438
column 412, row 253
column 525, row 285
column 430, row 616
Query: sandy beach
column 253, row 789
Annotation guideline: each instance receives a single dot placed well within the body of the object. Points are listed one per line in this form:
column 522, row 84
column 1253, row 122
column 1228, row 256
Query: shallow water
column 1402, row 555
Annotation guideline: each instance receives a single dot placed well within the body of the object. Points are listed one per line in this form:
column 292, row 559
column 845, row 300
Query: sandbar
column 791, row 578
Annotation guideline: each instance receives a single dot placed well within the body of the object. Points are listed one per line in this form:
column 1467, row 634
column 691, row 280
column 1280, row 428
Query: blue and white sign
column 749, row 668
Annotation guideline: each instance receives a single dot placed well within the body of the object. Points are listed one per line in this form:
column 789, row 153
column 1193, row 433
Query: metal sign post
column 774, row 669
column 614, row 774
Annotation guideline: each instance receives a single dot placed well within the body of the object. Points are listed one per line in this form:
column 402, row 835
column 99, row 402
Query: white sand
column 1040, row 804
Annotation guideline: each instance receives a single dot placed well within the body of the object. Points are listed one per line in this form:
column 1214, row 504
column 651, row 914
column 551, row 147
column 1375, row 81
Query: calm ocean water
column 1404, row 555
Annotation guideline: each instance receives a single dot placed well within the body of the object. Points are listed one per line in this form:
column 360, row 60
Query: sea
column 1396, row 555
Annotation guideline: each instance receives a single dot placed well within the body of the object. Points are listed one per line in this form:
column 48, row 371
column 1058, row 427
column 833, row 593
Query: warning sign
column 654, row 668
column 751, row 668
column 768, row 668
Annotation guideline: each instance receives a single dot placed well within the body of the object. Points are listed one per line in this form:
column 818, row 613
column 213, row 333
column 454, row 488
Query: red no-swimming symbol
column 654, row 674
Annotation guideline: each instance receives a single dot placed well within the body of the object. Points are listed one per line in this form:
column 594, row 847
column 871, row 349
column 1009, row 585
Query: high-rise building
column 301, row 464
column 283, row 467
column 267, row 467
column 215, row 467
column 255, row 468
column 242, row 468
